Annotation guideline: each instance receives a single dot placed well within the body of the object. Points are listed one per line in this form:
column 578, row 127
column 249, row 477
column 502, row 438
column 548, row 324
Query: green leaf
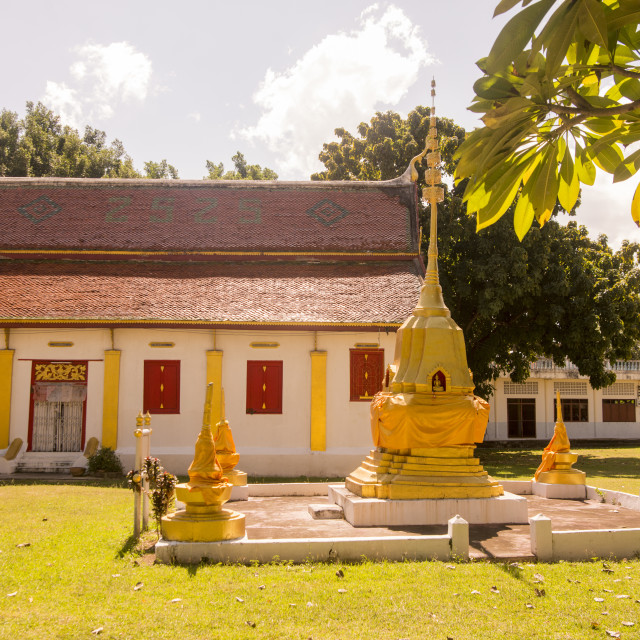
column 544, row 189
column 635, row 206
column 523, row 216
column 515, row 35
column 584, row 168
column 630, row 88
column 558, row 36
column 494, row 88
column 568, row 183
column 627, row 13
column 593, row 22
column 504, row 6
column 628, row 167
column 605, row 156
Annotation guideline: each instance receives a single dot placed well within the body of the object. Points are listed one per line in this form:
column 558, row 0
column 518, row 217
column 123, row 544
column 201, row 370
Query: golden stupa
column 426, row 420
column 226, row 452
column 204, row 519
column 557, row 458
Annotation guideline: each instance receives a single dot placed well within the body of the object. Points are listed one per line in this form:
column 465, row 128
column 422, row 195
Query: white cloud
column 606, row 208
column 338, row 82
column 102, row 78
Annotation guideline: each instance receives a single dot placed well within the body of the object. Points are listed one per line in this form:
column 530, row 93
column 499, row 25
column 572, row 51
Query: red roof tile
column 107, row 293
column 167, row 215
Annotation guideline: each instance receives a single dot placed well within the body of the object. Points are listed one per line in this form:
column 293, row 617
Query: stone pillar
column 6, row 377
column 541, row 538
column 111, row 398
column 318, row 401
column 458, row 532
column 214, row 375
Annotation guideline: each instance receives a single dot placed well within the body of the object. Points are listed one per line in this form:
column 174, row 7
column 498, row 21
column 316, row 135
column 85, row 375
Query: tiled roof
column 180, row 215
column 108, row 293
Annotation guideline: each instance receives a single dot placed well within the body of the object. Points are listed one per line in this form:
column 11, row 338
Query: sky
column 203, row 79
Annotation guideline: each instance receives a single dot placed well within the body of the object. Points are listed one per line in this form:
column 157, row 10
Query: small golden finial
column 147, row 418
column 139, row 419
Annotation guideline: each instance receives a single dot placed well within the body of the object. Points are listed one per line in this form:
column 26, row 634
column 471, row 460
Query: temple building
column 120, row 296
column 128, row 295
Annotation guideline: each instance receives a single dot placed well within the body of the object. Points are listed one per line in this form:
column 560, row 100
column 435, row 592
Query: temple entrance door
column 57, row 415
column 57, row 426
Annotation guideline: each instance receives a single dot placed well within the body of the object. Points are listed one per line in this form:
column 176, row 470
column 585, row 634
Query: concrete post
column 458, row 531
column 541, row 538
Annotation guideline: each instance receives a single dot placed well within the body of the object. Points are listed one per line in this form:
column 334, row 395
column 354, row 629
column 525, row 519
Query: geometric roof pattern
column 189, row 215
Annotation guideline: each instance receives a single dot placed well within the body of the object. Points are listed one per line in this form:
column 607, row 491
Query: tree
column 160, row 170
column 242, row 171
column 557, row 293
column 560, row 96
column 39, row 145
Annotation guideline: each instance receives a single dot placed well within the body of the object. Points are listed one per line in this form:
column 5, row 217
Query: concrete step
column 46, row 462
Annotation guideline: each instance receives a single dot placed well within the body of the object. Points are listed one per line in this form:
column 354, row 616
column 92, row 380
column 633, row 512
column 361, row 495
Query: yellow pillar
column 6, row 374
column 110, row 398
column 214, row 374
column 318, row 400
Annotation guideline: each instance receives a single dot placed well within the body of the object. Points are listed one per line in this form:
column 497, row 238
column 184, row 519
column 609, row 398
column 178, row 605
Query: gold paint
column 61, row 371
column 60, row 344
column 557, row 458
column 162, row 368
column 226, row 451
column 214, row 375
column 7, row 333
column 264, row 368
column 196, row 323
column 162, row 345
column 366, row 345
column 415, row 413
column 111, row 398
column 264, row 345
column 318, row 435
column 6, row 378
column 204, row 519
column 161, row 386
column 264, row 406
column 264, row 388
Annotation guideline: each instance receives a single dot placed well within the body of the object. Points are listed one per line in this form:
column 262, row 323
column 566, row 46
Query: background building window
column 264, row 386
column 618, row 410
column 161, row 386
column 521, row 417
column 367, row 371
column 573, row 410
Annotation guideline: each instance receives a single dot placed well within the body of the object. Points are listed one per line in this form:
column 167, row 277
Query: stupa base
column 423, row 474
column 559, row 491
column 373, row 512
column 223, row 524
column 235, row 477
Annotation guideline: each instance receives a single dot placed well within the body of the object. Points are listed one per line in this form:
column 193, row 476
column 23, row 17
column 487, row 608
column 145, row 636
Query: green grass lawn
column 80, row 570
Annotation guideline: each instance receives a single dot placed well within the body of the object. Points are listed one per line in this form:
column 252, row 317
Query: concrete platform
column 372, row 512
column 560, row 491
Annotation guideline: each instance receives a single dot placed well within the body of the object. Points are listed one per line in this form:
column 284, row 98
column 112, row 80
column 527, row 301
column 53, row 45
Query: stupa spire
column 431, row 301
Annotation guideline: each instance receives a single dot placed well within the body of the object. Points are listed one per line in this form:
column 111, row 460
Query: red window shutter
column 367, row 372
column 161, row 386
column 264, row 386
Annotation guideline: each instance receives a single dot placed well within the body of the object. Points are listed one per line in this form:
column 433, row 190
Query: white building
column 527, row 410
column 120, row 296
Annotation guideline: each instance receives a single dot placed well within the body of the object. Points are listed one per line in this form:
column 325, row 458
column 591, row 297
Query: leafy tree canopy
column 557, row 293
column 560, row 96
column 39, row 145
column 242, row 170
column 160, row 170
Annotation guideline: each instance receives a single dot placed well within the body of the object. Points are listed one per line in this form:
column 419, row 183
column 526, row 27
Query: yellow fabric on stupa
column 205, row 472
column 559, row 443
column 401, row 421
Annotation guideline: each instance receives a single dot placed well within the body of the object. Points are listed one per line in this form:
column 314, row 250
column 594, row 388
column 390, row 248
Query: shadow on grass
column 129, row 545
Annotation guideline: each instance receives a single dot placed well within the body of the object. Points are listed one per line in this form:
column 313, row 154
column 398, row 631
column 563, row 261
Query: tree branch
column 595, row 111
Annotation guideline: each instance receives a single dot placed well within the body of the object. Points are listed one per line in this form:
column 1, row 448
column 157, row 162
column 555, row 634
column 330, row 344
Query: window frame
column 356, row 384
column 521, row 424
column 572, row 408
column 619, row 402
column 267, row 374
column 150, row 370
